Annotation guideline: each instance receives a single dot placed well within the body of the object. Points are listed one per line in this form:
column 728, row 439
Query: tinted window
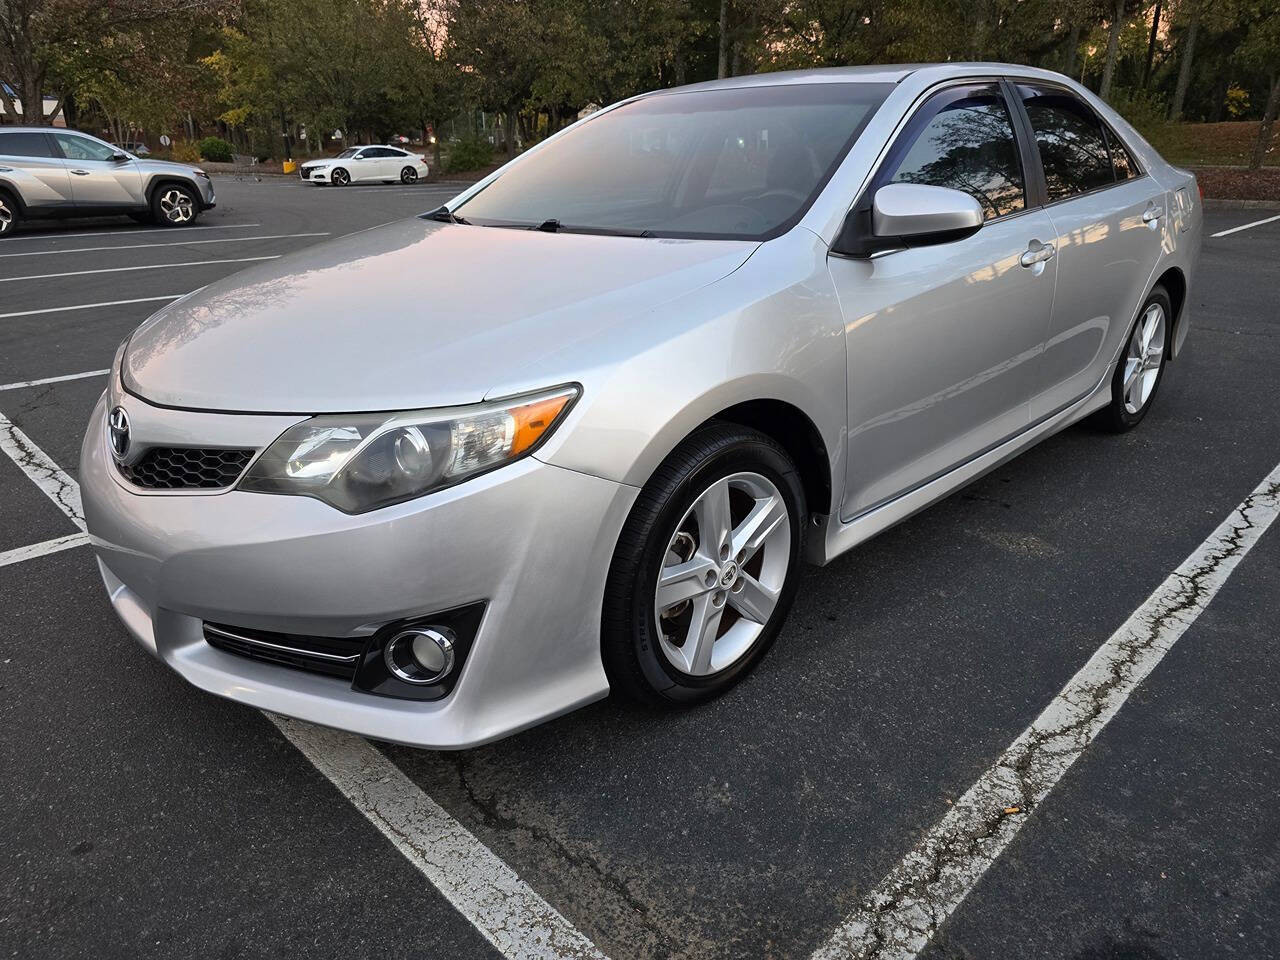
column 739, row 163
column 968, row 145
column 82, row 148
column 1069, row 135
column 1121, row 159
column 25, row 145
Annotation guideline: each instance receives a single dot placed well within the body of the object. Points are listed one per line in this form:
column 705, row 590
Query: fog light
column 422, row 655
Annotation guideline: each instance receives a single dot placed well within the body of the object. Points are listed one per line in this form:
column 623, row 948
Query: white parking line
column 30, row 552
column 153, row 266
column 501, row 906
column 23, row 384
column 90, row 306
column 127, row 231
column 44, row 473
column 1244, row 226
column 150, row 246
column 900, row 916
column 505, row 909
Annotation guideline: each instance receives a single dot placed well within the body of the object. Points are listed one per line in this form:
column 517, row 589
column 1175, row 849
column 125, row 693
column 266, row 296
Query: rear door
column 97, row 180
column 29, row 162
column 943, row 340
column 1109, row 217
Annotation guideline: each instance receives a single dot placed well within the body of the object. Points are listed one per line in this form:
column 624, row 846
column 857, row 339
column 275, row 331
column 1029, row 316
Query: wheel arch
column 1174, row 282
column 173, row 178
column 14, row 195
column 793, row 430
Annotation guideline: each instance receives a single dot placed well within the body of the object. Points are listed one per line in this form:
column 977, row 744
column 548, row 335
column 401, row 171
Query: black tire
column 1115, row 417
column 10, row 215
column 174, row 205
column 339, row 177
column 408, row 175
column 633, row 659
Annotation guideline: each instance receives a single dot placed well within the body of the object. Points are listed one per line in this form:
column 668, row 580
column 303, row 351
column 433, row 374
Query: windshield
column 742, row 163
column 347, row 153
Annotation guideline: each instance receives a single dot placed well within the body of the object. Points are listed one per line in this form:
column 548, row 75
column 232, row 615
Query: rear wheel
column 9, row 215
column 1141, row 368
column 705, row 569
column 173, row 205
column 339, row 177
column 408, row 175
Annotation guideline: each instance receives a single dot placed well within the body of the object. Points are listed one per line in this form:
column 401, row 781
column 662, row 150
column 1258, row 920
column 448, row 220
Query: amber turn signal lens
column 533, row 419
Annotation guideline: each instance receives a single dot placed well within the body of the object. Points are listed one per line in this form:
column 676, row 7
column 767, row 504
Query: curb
column 1211, row 204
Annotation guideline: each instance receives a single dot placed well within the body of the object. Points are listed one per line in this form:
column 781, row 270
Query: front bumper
column 532, row 540
column 208, row 200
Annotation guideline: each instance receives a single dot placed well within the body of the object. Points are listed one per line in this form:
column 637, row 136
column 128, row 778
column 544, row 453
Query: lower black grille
column 328, row 655
column 187, row 468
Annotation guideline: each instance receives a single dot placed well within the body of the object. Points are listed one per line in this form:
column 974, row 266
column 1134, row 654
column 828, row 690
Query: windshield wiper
column 555, row 226
column 445, row 215
column 548, row 226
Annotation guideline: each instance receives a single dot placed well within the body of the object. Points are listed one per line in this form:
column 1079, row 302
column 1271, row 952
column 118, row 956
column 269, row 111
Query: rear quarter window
column 25, row 145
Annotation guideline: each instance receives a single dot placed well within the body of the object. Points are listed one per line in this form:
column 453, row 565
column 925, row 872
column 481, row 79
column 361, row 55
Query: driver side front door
column 943, row 341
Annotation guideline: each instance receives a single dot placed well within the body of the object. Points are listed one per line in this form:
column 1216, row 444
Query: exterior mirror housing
column 119, row 157
column 902, row 215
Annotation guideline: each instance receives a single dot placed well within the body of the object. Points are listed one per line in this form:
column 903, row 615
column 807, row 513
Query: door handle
column 1153, row 212
column 81, row 173
column 1037, row 252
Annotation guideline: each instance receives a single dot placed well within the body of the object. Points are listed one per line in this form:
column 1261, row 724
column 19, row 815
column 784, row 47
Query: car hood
column 321, row 163
column 165, row 166
column 412, row 314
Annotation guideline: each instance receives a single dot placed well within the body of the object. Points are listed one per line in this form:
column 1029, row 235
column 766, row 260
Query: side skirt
column 824, row 545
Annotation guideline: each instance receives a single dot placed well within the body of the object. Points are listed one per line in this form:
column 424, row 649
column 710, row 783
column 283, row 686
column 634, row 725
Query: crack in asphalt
column 907, row 909
column 35, row 463
column 493, row 818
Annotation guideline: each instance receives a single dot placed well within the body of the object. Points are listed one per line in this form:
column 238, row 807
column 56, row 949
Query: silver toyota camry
column 576, row 431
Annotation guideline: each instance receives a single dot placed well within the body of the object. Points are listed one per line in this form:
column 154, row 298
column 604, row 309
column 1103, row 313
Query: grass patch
column 1210, row 144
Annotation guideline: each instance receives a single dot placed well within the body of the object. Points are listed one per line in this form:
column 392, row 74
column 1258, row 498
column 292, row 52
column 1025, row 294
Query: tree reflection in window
column 969, row 146
column 1069, row 136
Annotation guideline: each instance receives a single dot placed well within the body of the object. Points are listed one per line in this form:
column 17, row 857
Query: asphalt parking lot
column 143, row 818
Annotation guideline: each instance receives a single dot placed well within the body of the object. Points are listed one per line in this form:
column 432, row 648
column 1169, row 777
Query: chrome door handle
column 1037, row 253
column 81, row 173
column 1152, row 212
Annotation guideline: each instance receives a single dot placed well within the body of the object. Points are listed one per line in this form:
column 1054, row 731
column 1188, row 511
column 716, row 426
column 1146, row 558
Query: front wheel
column 174, row 205
column 339, row 177
column 705, row 569
column 408, row 175
column 1140, row 370
column 8, row 216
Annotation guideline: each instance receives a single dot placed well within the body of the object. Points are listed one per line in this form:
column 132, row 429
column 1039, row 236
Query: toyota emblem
column 118, row 432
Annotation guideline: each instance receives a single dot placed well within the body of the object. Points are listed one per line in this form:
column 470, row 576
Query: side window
column 82, row 148
column 1121, row 160
column 968, row 145
column 25, row 145
column 1069, row 136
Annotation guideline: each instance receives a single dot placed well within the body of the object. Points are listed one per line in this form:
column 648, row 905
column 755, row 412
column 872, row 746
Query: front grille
column 328, row 655
column 187, row 468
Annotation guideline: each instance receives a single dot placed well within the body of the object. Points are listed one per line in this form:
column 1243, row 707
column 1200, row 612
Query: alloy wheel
column 1144, row 358
column 723, row 573
column 6, row 217
column 340, row 177
column 177, row 206
column 408, row 175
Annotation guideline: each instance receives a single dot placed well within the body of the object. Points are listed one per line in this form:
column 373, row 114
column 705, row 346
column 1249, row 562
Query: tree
column 1261, row 51
column 1113, row 46
column 1192, row 13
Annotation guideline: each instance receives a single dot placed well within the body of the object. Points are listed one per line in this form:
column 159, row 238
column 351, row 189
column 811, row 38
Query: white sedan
column 379, row 162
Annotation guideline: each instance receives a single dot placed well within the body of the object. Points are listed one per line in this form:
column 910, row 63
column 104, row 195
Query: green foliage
column 1237, row 103
column 1143, row 108
column 215, row 150
column 468, row 154
column 184, row 151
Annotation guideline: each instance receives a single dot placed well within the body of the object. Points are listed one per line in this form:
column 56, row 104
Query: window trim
column 50, row 142
column 80, row 136
column 1107, row 131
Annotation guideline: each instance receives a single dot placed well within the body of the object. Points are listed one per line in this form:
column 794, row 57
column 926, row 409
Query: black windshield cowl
column 444, row 215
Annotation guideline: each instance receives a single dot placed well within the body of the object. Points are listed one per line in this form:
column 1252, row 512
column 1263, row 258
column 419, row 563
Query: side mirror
column 119, row 157
column 908, row 215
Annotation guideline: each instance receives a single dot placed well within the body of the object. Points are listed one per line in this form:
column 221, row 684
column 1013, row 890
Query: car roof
column 889, row 73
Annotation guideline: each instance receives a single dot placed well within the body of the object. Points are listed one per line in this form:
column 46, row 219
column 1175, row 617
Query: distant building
column 50, row 105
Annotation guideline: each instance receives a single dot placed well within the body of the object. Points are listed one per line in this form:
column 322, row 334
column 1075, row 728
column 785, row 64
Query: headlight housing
column 364, row 461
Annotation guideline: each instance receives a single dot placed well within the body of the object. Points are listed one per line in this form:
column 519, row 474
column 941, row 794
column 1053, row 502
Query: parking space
column 751, row 827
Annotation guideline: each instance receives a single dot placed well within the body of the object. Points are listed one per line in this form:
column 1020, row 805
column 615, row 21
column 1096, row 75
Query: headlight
column 201, row 173
column 360, row 462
